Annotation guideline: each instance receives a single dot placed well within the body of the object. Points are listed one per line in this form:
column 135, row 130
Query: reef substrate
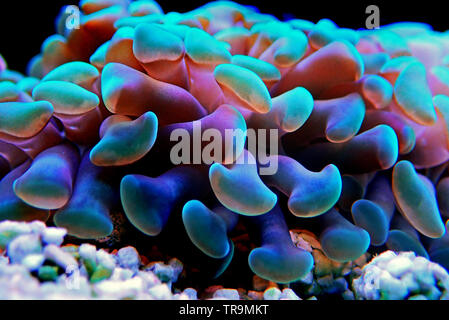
column 100, row 139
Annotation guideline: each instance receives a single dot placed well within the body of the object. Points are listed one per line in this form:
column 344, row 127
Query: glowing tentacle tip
column 245, row 86
column 66, row 97
column 48, row 183
column 153, row 43
column 134, row 189
column 87, row 214
column 345, row 116
column 371, row 217
column 206, row 229
column 278, row 259
column 399, row 240
column 341, row 240
column 24, row 119
column 266, row 71
column 333, row 64
column 310, row 193
column 413, row 95
column 292, row 109
column 415, row 196
column 126, row 142
column 76, row 72
column 204, row 48
column 121, row 88
column 11, row 206
column 148, row 202
column 240, row 188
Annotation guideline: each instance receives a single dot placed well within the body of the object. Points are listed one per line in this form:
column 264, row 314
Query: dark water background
column 24, row 25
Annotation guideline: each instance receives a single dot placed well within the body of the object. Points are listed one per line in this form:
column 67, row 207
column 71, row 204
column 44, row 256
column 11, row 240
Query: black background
column 24, row 25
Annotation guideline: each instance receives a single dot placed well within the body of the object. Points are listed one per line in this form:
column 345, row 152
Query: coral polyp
column 225, row 122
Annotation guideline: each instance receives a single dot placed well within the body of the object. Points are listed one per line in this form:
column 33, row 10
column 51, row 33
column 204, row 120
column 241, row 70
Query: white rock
column 129, row 258
column 289, row 294
column 384, row 257
column 105, row 259
column 161, row 292
column 181, row 296
column 190, row 293
column 177, row 267
column 37, row 227
column 60, row 257
column 228, row 294
column 14, row 228
column 33, row 261
column 165, row 273
column 119, row 289
column 17, row 283
column 88, row 251
column 76, row 284
column 83, row 271
column 54, row 235
column 149, row 278
column 4, row 260
column 440, row 273
column 392, row 288
column 397, row 267
column 120, row 274
column 22, row 246
column 272, row 293
column 408, row 279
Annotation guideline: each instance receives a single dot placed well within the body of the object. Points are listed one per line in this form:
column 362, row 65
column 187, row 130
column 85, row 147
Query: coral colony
column 321, row 145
